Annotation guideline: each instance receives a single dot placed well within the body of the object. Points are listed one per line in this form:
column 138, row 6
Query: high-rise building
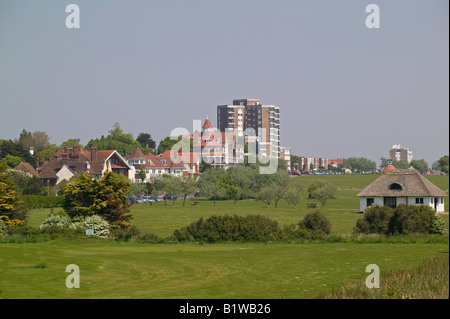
column 258, row 124
column 399, row 153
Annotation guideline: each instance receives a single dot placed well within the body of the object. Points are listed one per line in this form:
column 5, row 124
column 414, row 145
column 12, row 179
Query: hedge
column 39, row 201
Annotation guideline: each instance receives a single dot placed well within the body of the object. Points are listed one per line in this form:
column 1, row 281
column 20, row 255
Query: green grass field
column 118, row 270
column 110, row 269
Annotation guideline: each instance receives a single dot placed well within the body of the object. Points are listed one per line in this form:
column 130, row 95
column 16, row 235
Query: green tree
column 12, row 210
column 208, row 184
column 173, row 188
column 187, row 186
column 322, row 191
column 146, row 140
column 70, row 143
column 106, row 197
column 123, row 143
column 11, row 161
column 26, row 184
column 265, row 194
column 167, row 144
column 142, row 174
column 159, row 184
column 231, row 187
column 9, row 197
column 293, row 194
column 420, row 165
column 280, row 185
column 358, row 164
column 442, row 164
column 15, row 149
column 137, row 189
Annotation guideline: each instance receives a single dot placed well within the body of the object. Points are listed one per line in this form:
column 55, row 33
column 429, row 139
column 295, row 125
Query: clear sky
column 343, row 89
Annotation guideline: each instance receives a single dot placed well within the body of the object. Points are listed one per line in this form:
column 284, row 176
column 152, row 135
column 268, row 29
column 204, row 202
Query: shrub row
column 254, row 228
column 404, row 219
column 39, row 201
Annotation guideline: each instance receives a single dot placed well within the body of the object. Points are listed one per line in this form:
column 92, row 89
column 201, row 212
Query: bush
column 404, row 219
column 375, row 221
column 132, row 233
column 98, row 224
column 2, row 228
column 61, row 223
column 412, row 220
column 56, row 220
column 230, row 228
column 314, row 226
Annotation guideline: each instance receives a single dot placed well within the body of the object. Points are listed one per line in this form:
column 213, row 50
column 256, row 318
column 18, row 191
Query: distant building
column 402, row 186
column 258, row 124
column 389, row 166
column 285, row 154
column 72, row 162
column 26, row 168
column 398, row 153
column 335, row 162
column 152, row 165
column 312, row 163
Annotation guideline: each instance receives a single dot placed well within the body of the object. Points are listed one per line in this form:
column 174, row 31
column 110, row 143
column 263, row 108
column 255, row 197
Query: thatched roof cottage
column 402, row 186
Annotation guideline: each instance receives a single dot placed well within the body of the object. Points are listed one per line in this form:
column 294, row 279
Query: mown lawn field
column 110, row 269
column 247, row 270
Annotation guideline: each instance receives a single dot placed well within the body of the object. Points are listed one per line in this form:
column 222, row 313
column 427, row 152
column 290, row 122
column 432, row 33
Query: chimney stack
column 76, row 150
column 37, row 160
column 93, row 154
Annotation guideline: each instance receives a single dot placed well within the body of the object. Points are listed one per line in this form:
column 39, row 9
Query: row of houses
column 210, row 146
column 315, row 163
column 392, row 188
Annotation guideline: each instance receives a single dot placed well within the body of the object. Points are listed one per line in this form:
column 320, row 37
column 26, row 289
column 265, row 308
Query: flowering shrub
column 56, row 220
column 95, row 222
column 98, row 224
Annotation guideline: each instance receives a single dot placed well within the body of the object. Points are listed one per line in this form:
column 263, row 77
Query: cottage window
column 390, row 201
column 419, row 200
column 370, row 201
column 395, row 187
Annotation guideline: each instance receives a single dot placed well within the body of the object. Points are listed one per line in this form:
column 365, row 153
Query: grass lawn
column 111, row 269
column 130, row 270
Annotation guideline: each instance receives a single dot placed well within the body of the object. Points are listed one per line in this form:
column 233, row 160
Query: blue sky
column 343, row 89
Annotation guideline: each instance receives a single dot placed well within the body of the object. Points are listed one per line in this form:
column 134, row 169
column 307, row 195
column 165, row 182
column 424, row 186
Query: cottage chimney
column 93, row 154
column 76, row 149
column 31, row 150
column 37, row 160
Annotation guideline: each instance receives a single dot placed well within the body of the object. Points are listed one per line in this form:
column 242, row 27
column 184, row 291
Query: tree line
column 15, row 151
column 361, row 164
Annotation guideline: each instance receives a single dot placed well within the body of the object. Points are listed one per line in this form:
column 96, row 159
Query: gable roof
column 152, row 161
column 27, row 168
column 411, row 182
column 79, row 162
column 207, row 124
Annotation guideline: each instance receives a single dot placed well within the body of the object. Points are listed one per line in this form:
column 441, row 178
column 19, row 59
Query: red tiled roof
column 207, row 124
column 47, row 172
column 137, row 154
column 27, row 168
column 154, row 161
column 387, row 168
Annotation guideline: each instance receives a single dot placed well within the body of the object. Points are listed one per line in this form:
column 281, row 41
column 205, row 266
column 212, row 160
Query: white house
column 402, row 186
